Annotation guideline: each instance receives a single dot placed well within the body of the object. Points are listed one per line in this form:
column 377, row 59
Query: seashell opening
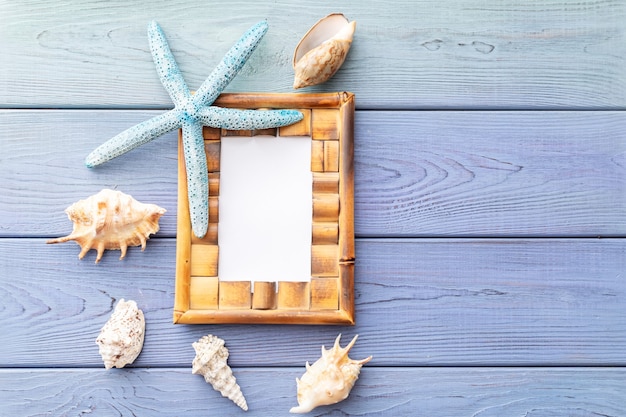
column 322, row 50
column 211, row 362
column 121, row 337
column 330, row 379
column 111, row 220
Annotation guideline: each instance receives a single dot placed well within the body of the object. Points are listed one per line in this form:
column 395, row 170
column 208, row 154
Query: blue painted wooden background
column 490, row 153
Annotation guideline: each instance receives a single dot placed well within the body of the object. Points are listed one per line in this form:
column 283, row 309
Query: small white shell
column 322, row 50
column 211, row 362
column 121, row 337
column 330, row 379
column 111, row 220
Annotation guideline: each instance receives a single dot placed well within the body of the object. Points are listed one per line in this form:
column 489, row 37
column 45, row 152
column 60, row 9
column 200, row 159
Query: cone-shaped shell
column 322, row 50
column 121, row 337
column 111, row 220
column 211, row 362
column 330, row 379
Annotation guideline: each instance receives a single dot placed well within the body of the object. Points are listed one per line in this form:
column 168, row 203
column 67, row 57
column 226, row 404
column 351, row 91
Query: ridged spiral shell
column 121, row 337
column 330, row 379
column 322, row 50
column 211, row 362
column 111, row 220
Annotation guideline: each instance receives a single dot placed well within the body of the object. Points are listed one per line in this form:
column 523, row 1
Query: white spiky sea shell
column 211, row 362
column 111, row 220
column 330, row 379
column 322, row 50
column 121, row 337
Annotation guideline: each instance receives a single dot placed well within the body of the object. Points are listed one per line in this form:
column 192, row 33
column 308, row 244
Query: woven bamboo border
column 201, row 298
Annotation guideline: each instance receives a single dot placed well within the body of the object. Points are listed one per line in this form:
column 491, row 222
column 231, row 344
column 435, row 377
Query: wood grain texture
column 425, row 54
column 446, row 392
column 416, row 173
column 481, row 288
column 490, row 174
column 43, row 170
column 419, row 302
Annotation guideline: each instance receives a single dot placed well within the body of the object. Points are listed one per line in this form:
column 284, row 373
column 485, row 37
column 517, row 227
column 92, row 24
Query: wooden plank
column 416, row 173
column 490, row 174
column 43, row 168
column 452, row 54
column 379, row 391
column 419, row 302
column 433, row 174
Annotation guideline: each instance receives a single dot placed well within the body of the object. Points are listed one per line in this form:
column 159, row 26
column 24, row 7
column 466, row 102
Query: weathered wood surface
column 482, row 287
column 406, row 54
column 417, row 173
column 450, row 392
column 419, row 302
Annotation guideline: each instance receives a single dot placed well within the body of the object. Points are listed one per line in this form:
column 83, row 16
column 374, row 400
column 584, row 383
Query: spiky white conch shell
column 330, row 379
column 121, row 337
column 211, row 362
column 111, row 220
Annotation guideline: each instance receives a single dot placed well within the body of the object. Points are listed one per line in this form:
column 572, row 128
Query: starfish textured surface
column 191, row 112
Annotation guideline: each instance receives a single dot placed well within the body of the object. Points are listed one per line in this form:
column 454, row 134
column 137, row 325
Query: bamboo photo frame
column 328, row 298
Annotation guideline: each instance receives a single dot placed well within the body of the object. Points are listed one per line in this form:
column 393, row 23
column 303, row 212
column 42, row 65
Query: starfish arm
column 197, row 177
column 133, row 137
column 230, row 65
column 166, row 66
column 233, row 119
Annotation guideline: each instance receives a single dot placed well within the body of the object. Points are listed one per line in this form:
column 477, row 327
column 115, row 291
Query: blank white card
column 265, row 209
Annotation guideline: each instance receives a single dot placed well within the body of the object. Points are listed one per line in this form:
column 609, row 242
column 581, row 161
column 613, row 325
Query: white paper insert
column 265, row 209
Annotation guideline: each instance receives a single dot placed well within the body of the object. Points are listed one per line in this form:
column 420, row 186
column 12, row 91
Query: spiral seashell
column 330, row 379
column 121, row 337
column 322, row 50
column 111, row 220
column 211, row 362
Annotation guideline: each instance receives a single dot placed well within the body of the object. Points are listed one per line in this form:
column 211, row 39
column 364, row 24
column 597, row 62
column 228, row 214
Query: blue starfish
column 191, row 112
